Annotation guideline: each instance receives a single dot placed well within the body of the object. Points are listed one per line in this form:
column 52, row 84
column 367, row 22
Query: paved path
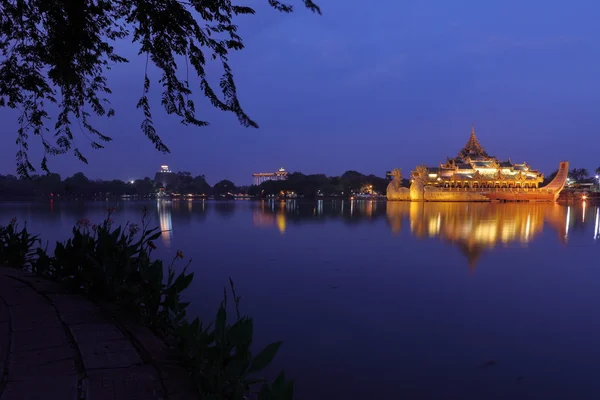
column 59, row 346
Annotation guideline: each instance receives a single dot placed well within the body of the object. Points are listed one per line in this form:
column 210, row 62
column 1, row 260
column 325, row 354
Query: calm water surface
column 389, row 301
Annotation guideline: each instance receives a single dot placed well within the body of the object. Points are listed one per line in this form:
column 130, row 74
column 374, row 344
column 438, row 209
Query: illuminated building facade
column 261, row 177
column 164, row 177
column 474, row 168
column 474, row 175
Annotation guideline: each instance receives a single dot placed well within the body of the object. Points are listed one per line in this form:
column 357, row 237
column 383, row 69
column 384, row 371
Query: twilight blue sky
column 374, row 88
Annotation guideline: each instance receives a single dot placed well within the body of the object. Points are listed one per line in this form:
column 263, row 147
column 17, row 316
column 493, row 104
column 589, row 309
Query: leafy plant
column 220, row 357
column 115, row 265
column 17, row 247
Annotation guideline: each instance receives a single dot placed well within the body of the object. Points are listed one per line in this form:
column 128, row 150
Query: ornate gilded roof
column 473, row 148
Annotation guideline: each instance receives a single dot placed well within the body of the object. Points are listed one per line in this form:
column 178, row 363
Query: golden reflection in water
column 477, row 227
column 164, row 217
column 568, row 222
column 395, row 212
column 360, row 208
column 277, row 219
column 281, row 223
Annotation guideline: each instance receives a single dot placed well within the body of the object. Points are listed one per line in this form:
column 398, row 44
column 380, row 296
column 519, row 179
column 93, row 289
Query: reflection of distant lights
column 527, row 227
column 164, row 215
column 432, row 228
column 597, row 224
column 568, row 218
column 281, row 223
column 584, row 206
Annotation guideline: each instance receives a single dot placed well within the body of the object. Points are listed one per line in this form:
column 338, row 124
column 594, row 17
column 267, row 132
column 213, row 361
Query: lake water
column 390, row 301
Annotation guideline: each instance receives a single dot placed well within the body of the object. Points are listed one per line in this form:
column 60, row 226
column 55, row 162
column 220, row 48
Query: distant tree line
column 310, row 186
column 80, row 186
column 579, row 175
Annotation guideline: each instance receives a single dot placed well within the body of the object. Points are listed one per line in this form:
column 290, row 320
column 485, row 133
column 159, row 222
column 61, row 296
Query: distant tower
column 164, row 177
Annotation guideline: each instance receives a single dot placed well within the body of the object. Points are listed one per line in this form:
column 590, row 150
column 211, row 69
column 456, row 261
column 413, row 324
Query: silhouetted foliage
column 578, row 174
column 116, row 265
column 80, row 186
column 144, row 186
column 224, row 188
column 58, row 52
column 310, row 186
column 548, row 178
column 197, row 185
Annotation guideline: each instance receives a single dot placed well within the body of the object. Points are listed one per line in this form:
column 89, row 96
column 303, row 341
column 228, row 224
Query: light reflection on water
column 597, row 224
column 164, row 215
column 473, row 227
column 384, row 301
column 477, row 227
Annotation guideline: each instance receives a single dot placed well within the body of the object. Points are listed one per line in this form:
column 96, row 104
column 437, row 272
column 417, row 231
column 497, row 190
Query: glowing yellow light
column 281, row 223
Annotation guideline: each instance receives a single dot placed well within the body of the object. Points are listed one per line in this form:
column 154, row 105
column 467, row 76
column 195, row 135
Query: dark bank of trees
column 75, row 186
column 80, row 186
column 577, row 175
column 310, row 186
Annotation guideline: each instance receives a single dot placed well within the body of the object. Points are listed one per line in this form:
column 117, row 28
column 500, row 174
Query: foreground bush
column 115, row 265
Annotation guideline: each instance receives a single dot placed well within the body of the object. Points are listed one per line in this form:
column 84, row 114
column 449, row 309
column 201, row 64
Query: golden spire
column 473, row 147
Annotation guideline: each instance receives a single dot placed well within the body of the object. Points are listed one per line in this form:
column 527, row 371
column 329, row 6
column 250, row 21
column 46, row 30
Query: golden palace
column 474, row 175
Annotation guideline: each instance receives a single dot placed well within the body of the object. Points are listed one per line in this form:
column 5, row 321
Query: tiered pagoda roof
column 473, row 158
column 473, row 149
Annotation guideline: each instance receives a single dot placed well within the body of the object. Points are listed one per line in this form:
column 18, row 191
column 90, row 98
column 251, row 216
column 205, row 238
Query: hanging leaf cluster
column 58, row 51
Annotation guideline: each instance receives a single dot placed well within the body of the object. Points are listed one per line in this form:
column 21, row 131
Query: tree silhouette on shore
column 57, row 53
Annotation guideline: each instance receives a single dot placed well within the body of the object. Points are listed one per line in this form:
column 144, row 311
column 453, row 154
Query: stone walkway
column 55, row 345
